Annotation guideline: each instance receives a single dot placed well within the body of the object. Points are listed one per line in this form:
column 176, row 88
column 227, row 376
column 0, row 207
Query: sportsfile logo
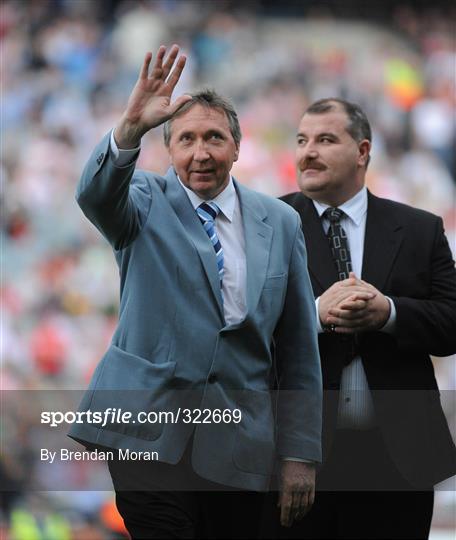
column 108, row 416
column 112, row 415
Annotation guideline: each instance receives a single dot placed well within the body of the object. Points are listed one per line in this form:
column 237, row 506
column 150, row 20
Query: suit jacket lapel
column 382, row 240
column 320, row 262
column 194, row 232
column 258, row 238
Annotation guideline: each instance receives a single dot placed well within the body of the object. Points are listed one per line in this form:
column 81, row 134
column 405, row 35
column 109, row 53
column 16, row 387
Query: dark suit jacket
column 407, row 257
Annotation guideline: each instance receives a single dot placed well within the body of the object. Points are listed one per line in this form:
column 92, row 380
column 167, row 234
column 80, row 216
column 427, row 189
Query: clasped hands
column 352, row 305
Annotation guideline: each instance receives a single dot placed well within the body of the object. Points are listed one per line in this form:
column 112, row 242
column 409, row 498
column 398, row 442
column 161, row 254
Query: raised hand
column 149, row 104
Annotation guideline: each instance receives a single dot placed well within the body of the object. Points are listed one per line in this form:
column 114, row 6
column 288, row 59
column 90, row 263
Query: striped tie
column 207, row 212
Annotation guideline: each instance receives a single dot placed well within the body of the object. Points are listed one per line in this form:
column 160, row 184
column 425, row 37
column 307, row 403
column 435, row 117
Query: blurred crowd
column 67, row 67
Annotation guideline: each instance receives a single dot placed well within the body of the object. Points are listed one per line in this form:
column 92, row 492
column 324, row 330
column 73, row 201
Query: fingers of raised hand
column 144, row 72
column 162, row 68
column 157, row 70
column 176, row 73
column 168, row 64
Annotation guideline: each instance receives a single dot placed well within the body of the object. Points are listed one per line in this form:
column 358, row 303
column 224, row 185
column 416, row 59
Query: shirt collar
column 355, row 208
column 225, row 200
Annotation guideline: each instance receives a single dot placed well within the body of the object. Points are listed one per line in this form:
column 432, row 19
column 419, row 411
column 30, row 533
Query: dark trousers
column 157, row 500
column 360, row 494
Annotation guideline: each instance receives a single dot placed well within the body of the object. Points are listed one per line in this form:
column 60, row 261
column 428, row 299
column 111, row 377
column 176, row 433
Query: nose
column 201, row 152
column 312, row 152
column 306, row 152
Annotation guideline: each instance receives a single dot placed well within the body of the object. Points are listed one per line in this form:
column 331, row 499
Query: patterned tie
column 338, row 242
column 207, row 212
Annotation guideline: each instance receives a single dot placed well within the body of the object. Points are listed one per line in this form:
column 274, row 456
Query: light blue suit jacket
column 172, row 348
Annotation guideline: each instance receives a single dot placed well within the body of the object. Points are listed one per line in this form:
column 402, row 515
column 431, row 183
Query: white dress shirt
column 355, row 402
column 230, row 231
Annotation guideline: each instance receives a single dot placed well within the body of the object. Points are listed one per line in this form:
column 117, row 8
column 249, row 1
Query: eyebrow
column 323, row 134
column 208, row 133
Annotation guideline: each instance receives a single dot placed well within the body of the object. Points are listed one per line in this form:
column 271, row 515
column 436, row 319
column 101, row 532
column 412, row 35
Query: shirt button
column 347, row 400
column 212, row 378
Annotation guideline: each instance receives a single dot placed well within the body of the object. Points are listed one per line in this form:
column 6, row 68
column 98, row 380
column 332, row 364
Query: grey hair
column 211, row 100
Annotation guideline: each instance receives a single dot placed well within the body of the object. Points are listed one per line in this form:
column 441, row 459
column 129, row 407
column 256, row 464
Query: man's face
column 202, row 150
column 330, row 163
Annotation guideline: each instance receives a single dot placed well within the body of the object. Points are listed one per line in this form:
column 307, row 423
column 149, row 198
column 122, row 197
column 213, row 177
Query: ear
column 364, row 149
column 236, row 153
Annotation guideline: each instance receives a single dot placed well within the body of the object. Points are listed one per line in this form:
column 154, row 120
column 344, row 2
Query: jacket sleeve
column 429, row 324
column 299, row 406
column 116, row 200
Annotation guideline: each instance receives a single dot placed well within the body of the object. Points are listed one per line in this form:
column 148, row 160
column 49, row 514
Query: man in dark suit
column 212, row 275
column 385, row 287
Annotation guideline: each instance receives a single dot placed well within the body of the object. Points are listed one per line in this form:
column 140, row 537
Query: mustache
column 310, row 164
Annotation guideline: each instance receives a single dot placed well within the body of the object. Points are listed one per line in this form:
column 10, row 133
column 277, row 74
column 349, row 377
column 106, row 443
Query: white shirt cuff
column 319, row 327
column 390, row 324
column 300, row 460
column 122, row 157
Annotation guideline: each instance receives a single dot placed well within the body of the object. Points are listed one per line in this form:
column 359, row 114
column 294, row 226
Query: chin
column 309, row 186
column 205, row 193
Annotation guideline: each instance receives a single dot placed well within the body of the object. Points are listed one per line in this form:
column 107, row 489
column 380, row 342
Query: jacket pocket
column 126, row 371
column 271, row 301
column 275, row 282
column 135, row 391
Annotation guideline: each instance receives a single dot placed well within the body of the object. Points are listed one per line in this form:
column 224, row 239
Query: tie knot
column 208, row 211
column 334, row 215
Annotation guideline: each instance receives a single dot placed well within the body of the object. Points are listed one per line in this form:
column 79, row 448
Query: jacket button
column 212, row 378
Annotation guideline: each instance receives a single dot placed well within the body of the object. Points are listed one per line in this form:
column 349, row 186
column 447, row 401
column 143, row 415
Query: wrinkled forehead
column 199, row 115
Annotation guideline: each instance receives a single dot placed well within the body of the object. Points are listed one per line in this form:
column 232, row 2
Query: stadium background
column 67, row 67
